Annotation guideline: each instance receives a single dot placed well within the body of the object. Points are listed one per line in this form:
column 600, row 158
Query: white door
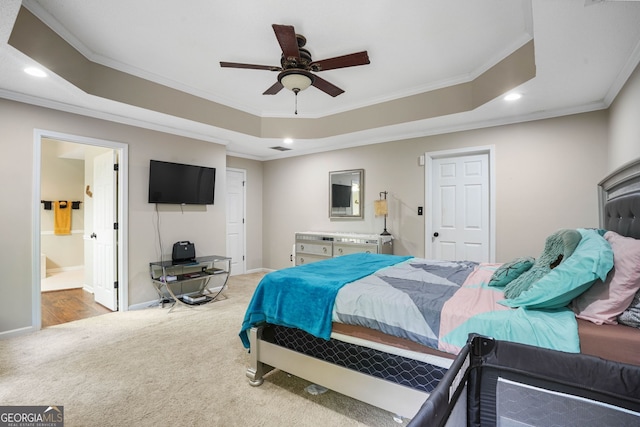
column 459, row 208
column 236, row 179
column 104, row 217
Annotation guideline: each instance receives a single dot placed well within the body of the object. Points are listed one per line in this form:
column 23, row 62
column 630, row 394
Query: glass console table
column 204, row 279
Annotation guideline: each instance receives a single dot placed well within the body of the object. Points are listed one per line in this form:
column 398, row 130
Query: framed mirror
column 346, row 194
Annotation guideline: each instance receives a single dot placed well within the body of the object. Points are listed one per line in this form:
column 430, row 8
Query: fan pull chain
column 295, row 91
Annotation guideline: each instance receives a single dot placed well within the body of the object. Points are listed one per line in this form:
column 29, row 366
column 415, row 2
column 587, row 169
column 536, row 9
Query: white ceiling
column 584, row 52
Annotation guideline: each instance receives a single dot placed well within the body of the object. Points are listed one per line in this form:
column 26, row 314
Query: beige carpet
column 150, row 368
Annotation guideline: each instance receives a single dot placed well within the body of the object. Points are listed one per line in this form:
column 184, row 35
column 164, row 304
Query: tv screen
column 178, row 183
column 340, row 196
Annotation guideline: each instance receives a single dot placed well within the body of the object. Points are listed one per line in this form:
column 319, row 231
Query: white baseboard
column 63, row 269
column 17, row 332
column 143, row 305
column 259, row 270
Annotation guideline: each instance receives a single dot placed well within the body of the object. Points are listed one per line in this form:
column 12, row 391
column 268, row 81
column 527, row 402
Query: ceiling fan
column 297, row 67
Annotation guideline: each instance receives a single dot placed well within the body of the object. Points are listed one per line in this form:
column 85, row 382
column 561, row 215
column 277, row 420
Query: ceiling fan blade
column 277, row 87
column 250, row 66
column 286, row 36
column 326, row 87
column 351, row 60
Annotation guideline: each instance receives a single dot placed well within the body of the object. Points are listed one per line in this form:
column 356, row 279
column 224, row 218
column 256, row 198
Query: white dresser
column 315, row 246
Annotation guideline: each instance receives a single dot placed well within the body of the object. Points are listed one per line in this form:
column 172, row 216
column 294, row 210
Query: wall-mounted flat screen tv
column 340, row 196
column 177, row 183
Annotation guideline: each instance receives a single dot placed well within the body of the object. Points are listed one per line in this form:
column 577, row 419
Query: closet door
column 236, row 227
column 460, row 208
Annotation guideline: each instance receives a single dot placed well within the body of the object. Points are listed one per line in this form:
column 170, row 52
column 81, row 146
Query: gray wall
column 546, row 173
column 203, row 226
column 624, row 135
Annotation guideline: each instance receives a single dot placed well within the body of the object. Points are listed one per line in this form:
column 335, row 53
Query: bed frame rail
column 392, row 397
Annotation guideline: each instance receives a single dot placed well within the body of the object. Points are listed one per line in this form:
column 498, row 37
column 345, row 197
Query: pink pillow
column 605, row 301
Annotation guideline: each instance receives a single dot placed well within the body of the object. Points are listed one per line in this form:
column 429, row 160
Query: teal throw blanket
column 302, row 297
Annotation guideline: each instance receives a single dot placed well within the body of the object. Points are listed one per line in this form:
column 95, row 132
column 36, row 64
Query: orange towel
column 62, row 217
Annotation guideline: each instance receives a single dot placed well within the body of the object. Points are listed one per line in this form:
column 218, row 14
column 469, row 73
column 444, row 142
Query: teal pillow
column 510, row 270
column 591, row 260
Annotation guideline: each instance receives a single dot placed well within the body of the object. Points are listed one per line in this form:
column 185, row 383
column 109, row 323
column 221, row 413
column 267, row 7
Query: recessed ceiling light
column 288, row 141
column 36, row 72
column 512, row 97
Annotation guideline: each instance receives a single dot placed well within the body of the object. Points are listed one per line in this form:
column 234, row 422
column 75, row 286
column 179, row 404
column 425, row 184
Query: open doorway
column 76, row 252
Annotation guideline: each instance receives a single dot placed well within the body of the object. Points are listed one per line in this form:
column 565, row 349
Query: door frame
column 244, row 215
column 430, row 156
column 123, row 226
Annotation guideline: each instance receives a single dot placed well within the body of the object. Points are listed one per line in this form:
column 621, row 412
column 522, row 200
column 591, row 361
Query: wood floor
column 68, row 305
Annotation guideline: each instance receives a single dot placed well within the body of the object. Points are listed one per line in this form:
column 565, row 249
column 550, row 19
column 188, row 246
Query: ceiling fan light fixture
column 296, row 80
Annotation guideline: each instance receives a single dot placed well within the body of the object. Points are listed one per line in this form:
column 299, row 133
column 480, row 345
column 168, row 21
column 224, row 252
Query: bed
column 333, row 339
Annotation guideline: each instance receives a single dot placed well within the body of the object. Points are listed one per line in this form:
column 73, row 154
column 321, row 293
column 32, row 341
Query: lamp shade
column 296, row 79
column 380, row 207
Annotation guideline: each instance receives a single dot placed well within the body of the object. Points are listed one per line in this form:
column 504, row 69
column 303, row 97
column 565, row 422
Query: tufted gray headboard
column 620, row 200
